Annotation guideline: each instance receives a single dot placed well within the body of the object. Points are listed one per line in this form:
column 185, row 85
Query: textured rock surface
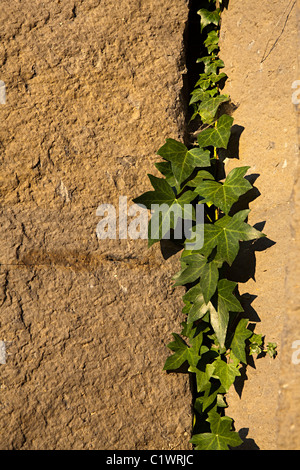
column 259, row 48
column 93, row 89
column 289, row 397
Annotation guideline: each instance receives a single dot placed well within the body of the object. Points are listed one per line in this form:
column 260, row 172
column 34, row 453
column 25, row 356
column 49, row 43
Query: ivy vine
column 215, row 340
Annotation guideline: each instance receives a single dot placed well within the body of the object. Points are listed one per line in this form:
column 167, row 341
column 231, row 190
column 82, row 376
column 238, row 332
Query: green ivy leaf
column 203, row 375
column 221, row 436
column 256, row 342
column 271, row 349
column 194, row 266
column 166, row 169
column 180, row 353
column 217, row 136
column 219, row 316
column 209, row 17
column 162, row 194
column 237, row 345
column 183, row 160
column 226, row 234
column 208, row 108
column 209, row 280
column 200, row 95
column 205, row 80
column 224, row 195
column 226, row 373
column 183, row 352
column 212, row 41
column 213, row 66
column 226, row 298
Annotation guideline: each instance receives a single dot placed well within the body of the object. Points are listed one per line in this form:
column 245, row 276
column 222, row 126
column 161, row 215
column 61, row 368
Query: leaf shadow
column 248, row 444
column 233, row 147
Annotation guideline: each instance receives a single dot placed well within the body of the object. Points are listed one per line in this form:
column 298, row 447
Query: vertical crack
column 193, row 49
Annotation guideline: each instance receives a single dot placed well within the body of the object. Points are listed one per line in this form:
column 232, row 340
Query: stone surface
column 259, row 48
column 93, row 89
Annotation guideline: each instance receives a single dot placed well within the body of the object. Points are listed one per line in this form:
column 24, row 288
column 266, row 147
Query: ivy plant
column 215, row 340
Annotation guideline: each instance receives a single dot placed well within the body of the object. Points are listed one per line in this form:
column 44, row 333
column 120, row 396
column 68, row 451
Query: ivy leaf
column 209, row 398
column 271, row 349
column 241, row 334
column 167, row 210
column 201, row 175
column 205, row 80
column 166, row 169
column 221, row 436
column 202, row 376
column 183, row 352
column 219, row 319
column 198, row 308
column 209, row 17
column 224, row 195
column 226, row 373
column 162, row 194
column 256, row 342
column 209, row 280
column 226, row 298
column 213, row 66
column 212, row 41
column 183, row 160
column 226, row 303
column 194, row 266
column 200, row 95
column 208, row 108
column 226, row 234
column 180, row 353
column 217, row 136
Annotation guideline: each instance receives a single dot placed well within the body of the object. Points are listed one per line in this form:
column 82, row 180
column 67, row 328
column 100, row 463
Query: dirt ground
column 93, row 89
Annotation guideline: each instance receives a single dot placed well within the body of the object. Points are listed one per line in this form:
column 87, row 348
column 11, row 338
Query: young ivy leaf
column 221, row 435
column 208, row 108
column 200, row 95
column 224, row 195
column 256, row 342
column 183, row 160
column 217, row 136
column 213, row 66
column 212, row 41
column 209, row 17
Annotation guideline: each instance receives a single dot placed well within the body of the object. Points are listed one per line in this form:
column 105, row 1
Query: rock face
column 259, row 47
column 92, row 91
column 89, row 91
